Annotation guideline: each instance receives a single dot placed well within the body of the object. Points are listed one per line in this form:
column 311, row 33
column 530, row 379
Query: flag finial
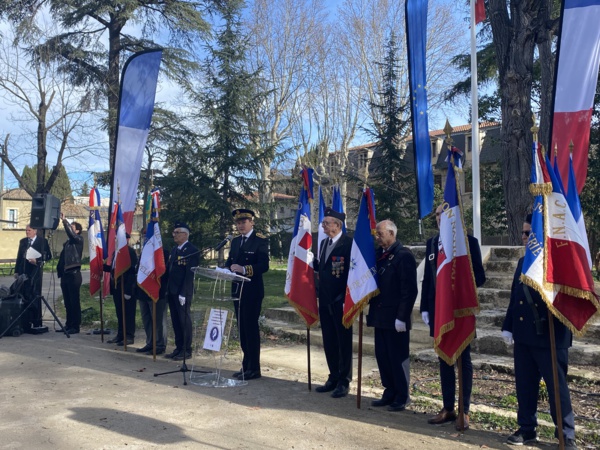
column 448, row 131
column 534, row 128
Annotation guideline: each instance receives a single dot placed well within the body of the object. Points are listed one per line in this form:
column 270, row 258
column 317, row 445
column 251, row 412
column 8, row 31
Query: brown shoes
column 462, row 422
column 442, row 417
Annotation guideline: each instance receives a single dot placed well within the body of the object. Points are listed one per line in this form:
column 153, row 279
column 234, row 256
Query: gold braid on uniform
column 249, row 271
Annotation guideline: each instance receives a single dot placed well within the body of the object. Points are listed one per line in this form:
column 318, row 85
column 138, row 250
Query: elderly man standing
column 180, row 290
column 390, row 314
column 332, row 271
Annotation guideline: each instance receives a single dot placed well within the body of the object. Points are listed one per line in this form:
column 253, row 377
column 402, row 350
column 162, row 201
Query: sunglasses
column 526, row 233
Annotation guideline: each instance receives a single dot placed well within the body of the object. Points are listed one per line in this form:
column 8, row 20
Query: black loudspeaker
column 45, row 212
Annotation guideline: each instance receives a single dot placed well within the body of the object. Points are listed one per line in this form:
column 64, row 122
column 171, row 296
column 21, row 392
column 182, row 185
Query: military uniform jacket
column 397, row 282
column 181, row 277
column 429, row 278
column 254, row 257
column 333, row 273
column 520, row 318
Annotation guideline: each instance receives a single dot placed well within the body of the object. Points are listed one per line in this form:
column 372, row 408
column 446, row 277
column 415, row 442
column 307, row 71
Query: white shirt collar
column 248, row 234
column 181, row 246
column 336, row 238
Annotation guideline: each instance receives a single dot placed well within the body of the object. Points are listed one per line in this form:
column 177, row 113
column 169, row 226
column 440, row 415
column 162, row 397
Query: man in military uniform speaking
column 249, row 256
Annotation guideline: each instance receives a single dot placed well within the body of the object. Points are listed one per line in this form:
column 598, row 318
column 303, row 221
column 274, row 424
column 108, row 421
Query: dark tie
column 243, row 242
column 29, row 242
column 328, row 248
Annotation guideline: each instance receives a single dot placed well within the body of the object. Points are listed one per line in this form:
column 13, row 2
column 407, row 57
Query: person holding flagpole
column 390, row 313
column 332, row 272
column 526, row 325
column 123, row 294
column 427, row 308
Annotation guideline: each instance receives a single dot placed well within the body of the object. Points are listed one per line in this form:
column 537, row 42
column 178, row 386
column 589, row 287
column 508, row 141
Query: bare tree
column 40, row 97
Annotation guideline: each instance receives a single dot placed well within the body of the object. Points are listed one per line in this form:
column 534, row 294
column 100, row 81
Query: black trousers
column 182, row 323
column 146, row 308
column 448, row 381
column 531, row 365
column 337, row 343
column 129, row 316
column 70, row 284
column 392, row 354
column 247, row 313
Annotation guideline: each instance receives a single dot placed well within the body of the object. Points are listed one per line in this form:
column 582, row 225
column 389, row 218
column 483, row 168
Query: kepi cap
column 242, row 213
column 181, row 225
column 329, row 212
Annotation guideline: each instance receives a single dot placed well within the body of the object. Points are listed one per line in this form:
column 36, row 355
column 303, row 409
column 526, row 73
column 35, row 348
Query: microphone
column 223, row 243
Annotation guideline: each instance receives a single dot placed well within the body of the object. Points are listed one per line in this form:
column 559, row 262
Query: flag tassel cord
column 559, row 419
column 451, row 360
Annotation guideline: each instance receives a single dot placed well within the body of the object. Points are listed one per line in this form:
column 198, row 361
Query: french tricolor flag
column 577, row 75
column 96, row 243
column 300, row 277
column 456, row 301
column 122, row 259
column 321, row 234
column 152, row 260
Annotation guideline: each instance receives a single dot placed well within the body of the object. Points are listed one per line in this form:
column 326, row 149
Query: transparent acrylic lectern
column 211, row 337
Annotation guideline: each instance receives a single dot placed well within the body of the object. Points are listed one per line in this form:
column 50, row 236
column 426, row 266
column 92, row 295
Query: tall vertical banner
column 416, row 39
column 362, row 273
column 152, row 260
column 456, row 300
column 136, row 105
column 300, row 276
column 321, row 233
column 576, row 79
column 96, row 243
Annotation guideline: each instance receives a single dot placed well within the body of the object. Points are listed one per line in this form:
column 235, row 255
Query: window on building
column 363, row 159
column 468, row 143
column 282, row 209
column 13, row 216
column 434, row 149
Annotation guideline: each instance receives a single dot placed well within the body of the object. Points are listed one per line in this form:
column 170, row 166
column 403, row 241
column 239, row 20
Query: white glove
column 425, row 317
column 182, row 300
column 400, row 326
column 507, row 336
column 127, row 297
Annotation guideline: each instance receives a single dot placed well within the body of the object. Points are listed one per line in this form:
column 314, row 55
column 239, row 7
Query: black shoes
column 129, row 342
column 68, row 330
column 382, row 402
column 399, row 406
column 249, row 375
column 115, row 340
column 173, row 354
column 327, row 387
column 238, row 373
column 340, row 391
column 144, row 349
column 521, row 437
column 158, row 351
column 180, row 356
column 570, row 444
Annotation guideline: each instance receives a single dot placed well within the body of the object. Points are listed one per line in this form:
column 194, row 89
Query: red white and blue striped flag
column 456, row 300
column 337, row 204
column 575, row 205
column 300, row 277
column 362, row 275
column 321, row 233
column 136, row 105
column 576, row 79
column 152, row 260
column 96, row 243
column 122, row 259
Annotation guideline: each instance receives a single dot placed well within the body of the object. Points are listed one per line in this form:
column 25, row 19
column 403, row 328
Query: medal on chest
column 337, row 266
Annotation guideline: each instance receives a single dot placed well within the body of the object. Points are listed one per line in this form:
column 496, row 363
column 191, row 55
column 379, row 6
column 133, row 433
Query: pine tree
column 61, row 188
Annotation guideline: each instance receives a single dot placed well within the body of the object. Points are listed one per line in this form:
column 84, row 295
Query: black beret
column 333, row 213
column 242, row 213
column 181, row 225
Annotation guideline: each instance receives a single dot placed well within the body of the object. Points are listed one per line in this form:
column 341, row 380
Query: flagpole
column 559, row 418
column 475, row 132
column 154, row 329
column 308, row 357
column 123, row 312
column 359, row 376
column 460, row 420
column 101, row 310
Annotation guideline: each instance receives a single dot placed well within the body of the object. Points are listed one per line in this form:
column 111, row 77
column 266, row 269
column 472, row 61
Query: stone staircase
column 488, row 349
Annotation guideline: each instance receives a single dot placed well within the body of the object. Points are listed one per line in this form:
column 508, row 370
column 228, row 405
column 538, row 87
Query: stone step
column 501, row 267
column 497, row 281
column 506, row 253
column 496, row 298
